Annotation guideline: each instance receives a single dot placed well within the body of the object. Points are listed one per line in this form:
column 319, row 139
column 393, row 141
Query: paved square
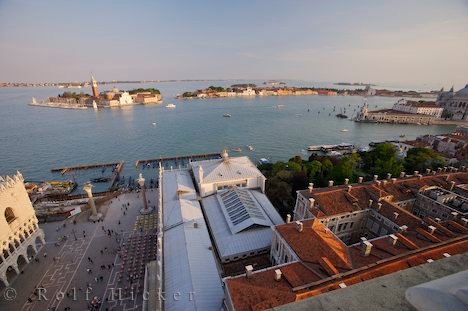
column 68, row 277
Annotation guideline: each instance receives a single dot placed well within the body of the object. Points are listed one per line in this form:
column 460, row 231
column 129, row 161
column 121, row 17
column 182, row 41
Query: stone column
column 145, row 209
column 94, row 214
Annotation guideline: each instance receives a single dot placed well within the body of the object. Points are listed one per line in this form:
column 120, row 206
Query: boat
column 154, row 123
column 236, row 149
column 341, row 116
column 250, row 147
column 226, row 115
column 170, row 106
column 100, row 179
column 279, row 106
column 402, row 135
column 263, row 161
column 344, row 130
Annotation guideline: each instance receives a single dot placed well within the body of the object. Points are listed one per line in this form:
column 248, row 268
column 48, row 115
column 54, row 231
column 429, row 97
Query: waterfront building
column 455, row 103
column 392, row 116
column 353, row 233
column 20, row 235
column 419, row 107
column 248, row 92
column 238, row 213
column 147, row 98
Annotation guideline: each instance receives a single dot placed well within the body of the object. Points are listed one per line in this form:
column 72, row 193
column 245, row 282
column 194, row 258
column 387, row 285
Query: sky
column 400, row 42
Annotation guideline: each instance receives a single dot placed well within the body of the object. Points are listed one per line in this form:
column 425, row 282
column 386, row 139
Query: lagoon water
column 35, row 139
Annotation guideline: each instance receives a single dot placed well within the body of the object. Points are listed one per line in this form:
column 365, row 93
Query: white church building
column 19, row 230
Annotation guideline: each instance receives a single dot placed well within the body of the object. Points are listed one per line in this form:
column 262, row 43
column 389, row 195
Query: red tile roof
column 314, row 242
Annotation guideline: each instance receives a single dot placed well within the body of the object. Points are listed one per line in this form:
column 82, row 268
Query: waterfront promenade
column 71, row 273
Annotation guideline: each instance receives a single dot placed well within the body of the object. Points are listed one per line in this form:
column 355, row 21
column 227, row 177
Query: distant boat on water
column 170, row 106
column 344, row 130
column 279, row 106
column 226, row 115
column 341, row 116
column 250, row 147
column 236, row 149
column 154, row 123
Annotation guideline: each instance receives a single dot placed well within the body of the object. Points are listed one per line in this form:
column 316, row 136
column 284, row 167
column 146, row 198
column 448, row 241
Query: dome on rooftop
column 463, row 92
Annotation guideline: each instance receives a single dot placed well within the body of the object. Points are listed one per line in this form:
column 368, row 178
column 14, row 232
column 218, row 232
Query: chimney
column 431, row 229
column 378, row 182
column 434, row 172
column 445, row 168
column 454, row 214
column 452, row 184
column 278, row 275
column 439, row 169
column 342, row 285
column 392, row 239
column 366, row 248
column 428, row 171
column 376, row 177
column 370, row 203
column 379, row 206
column 248, row 271
column 395, row 215
column 437, row 219
column 311, row 187
column 463, row 167
column 200, row 174
column 346, row 181
column 416, row 173
column 288, row 218
column 446, row 254
column 360, row 178
column 349, row 188
column 384, row 182
column 299, row 226
column 311, row 202
column 362, row 239
column 402, row 174
column 404, row 228
column 394, row 180
column 447, row 177
column 330, row 183
column 389, row 176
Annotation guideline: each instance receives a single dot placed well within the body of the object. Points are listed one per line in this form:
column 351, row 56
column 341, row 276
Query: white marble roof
column 220, row 170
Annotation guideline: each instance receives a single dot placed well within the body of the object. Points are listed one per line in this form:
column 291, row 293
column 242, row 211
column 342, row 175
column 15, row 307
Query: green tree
column 279, row 193
column 382, row 160
column 419, row 159
column 278, row 166
column 295, row 167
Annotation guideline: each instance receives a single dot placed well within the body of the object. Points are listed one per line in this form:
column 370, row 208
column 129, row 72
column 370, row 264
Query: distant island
column 249, row 89
column 355, row 84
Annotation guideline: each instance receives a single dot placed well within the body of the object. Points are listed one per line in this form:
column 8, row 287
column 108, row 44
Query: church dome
column 115, row 90
column 463, row 92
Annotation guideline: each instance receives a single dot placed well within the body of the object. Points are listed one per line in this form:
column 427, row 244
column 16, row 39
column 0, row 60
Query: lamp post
column 145, row 209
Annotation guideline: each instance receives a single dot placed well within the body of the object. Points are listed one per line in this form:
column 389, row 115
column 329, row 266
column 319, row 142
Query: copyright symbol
column 9, row 293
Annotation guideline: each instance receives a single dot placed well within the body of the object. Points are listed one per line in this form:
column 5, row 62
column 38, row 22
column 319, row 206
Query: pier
column 177, row 161
column 66, row 169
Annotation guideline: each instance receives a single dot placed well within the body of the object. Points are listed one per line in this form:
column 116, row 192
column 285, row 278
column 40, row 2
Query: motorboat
column 170, row 106
column 263, row 161
column 226, row 115
column 154, row 123
column 344, row 130
column 236, row 149
column 250, row 147
column 279, row 106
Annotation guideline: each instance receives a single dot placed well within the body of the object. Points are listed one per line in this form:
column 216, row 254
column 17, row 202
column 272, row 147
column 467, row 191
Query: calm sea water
column 35, row 139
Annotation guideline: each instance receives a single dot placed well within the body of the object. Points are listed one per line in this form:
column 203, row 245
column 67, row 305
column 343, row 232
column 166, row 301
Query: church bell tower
column 94, row 87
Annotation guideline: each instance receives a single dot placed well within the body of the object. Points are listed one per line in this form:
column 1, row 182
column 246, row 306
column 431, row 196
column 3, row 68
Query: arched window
column 9, row 215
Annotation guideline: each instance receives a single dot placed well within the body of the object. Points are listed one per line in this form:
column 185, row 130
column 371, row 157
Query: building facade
column 455, row 103
column 20, row 235
column 419, row 107
column 392, row 116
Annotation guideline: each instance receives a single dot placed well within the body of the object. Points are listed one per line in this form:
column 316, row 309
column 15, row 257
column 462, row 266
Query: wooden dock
column 179, row 160
column 66, row 169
